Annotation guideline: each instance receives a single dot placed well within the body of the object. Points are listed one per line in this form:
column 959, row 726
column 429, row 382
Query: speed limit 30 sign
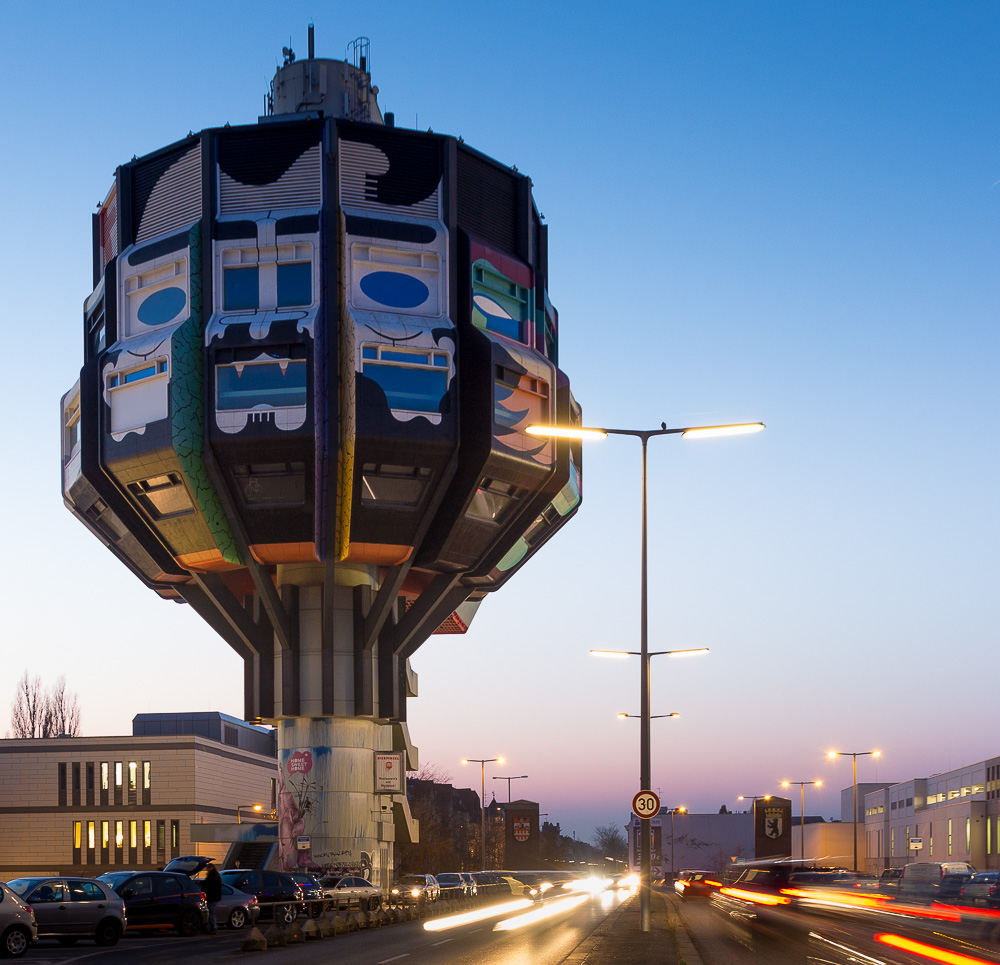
column 646, row 804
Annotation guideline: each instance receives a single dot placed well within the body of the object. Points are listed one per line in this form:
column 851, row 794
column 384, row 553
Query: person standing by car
column 213, row 895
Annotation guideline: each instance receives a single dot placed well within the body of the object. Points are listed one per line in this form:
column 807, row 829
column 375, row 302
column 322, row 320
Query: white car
column 17, row 924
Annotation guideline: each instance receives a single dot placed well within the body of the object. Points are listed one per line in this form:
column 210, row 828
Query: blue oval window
column 394, row 289
column 162, row 306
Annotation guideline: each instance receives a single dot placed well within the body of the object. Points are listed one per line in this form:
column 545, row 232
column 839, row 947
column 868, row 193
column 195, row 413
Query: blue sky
column 781, row 211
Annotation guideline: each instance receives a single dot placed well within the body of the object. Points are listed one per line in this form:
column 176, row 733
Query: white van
column 934, row 880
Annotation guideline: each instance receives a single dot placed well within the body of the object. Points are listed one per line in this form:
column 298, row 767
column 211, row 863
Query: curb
column 686, row 950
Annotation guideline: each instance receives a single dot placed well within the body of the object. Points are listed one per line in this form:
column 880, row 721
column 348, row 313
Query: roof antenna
column 312, row 44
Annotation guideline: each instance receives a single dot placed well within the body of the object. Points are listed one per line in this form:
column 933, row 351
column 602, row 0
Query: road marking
column 395, row 958
column 445, row 942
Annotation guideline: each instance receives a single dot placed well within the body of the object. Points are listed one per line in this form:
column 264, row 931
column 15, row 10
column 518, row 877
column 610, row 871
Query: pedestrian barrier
column 324, row 918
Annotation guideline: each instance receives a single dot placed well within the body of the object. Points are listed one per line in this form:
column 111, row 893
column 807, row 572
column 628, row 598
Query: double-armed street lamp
column 519, row 777
column 643, row 435
column 483, row 761
column 802, row 812
column 833, row 755
column 623, row 716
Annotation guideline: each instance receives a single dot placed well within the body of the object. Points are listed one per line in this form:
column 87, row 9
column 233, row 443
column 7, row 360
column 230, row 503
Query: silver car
column 236, row 909
column 347, row 890
column 69, row 909
column 17, row 924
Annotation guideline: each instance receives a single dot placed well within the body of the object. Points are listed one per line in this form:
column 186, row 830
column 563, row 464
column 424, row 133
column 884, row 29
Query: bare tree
column 36, row 712
column 63, row 711
column 610, row 840
column 27, row 713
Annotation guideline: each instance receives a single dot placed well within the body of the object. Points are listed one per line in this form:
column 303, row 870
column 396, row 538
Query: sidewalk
column 618, row 938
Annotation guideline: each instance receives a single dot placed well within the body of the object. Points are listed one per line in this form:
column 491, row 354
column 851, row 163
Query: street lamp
column 651, row 717
column 802, row 812
column 833, row 755
column 249, row 807
column 483, row 761
column 643, row 435
column 508, row 780
column 754, row 798
column 680, row 810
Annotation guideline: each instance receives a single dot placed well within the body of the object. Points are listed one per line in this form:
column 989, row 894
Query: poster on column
column 301, row 777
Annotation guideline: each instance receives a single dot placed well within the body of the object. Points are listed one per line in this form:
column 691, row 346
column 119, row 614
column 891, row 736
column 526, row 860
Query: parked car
column 695, row 884
column 452, row 884
column 312, row 893
column 348, row 890
column 977, row 889
column 236, row 909
column 993, row 897
column 160, row 899
column 277, row 893
column 471, row 887
column 18, row 928
column 416, row 888
column 69, row 909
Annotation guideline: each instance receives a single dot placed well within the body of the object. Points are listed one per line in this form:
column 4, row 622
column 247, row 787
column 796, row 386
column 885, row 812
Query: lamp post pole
column 643, row 435
column 483, row 761
column 802, row 812
column 673, row 869
column 508, row 780
column 854, row 755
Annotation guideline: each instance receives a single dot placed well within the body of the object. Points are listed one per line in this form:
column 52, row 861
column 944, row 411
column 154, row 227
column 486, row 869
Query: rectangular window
column 118, row 773
column 105, row 775
column 231, row 736
column 161, row 835
column 133, row 834
column 133, row 775
column 91, row 835
column 493, row 501
column 950, row 836
column 145, row 775
column 387, row 485
column 989, row 837
column 892, row 842
column 175, row 834
column 271, row 483
column 968, row 835
column 265, row 278
column 241, row 287
column 72, row 418
column 119, row 835
column 294, row 284
column 147, row 834
column 105, row 834
column 413, row 380
column 137, row 374
column 243, row 385
column 77, row 834
column 162, row 497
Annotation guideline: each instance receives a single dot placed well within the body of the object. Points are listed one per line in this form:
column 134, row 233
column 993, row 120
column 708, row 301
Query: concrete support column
column 329, row 817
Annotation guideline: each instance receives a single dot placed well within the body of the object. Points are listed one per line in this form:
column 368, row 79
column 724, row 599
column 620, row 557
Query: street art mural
column 311, row 351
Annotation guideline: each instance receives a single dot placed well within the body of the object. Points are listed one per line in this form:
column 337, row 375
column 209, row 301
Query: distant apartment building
column 85, row 805
column 952, row 816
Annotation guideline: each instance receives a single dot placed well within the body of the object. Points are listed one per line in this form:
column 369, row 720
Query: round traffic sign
column 646, row 804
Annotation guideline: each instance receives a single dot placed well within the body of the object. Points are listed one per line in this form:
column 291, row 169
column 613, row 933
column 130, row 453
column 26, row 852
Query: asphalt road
column 802, row 938
column 546, row 942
